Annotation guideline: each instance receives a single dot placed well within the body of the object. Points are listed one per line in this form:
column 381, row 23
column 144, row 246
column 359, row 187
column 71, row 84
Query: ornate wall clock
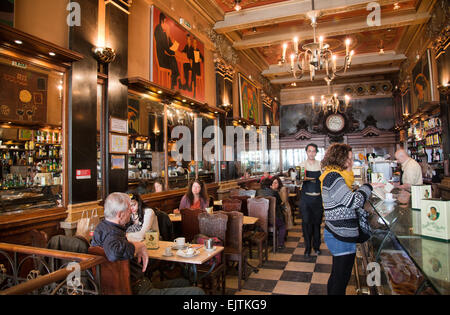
column 335, row 123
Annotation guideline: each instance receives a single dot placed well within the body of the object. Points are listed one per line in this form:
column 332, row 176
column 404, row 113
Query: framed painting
column 177, row 57
column 118, row 143
column 248, row 99
column 422, row 88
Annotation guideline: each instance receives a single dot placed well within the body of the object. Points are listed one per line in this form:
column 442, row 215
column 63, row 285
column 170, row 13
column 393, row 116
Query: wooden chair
column 272, row 217
column 234, row 251
column 214, row 225
column 38, row 238
column 259, row 208
column 243, row 199
column 189, row 223
column 114, row 276
column 229, row 204
column 284, row 195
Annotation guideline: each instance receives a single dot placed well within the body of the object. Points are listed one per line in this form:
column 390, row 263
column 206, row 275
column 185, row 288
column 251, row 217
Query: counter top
column 431, row 257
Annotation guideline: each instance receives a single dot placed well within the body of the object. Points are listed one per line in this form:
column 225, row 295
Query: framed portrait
column 118, row 143
column 117, row 162
column 177, row 57
column 422, row 81
column 118, row 125
column 248, row 99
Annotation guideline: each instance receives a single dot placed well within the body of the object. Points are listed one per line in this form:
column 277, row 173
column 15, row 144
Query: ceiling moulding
column 288, row 11
column 350, row 73
column 328, row 29
column 364, row 90
column 208, row 9
column 362, row 59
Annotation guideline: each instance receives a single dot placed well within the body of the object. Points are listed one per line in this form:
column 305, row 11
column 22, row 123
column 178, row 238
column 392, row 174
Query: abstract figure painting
column 248, row 99
column 177, row 57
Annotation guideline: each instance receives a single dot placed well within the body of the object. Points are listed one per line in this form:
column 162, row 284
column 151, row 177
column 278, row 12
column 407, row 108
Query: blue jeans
column 337, row 247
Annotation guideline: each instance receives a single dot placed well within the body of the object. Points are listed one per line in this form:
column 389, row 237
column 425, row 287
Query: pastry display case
column 409, row 262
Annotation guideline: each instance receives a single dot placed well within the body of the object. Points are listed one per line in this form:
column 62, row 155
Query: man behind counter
column 412, row 172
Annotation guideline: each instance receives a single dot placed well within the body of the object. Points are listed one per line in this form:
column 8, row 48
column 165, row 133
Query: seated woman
column 141, row 220
column 266, row 190
column 196, row 196
column 158, row 186
column 277, row 185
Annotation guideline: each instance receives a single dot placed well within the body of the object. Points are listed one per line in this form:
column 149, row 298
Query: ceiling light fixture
column 330, row 103
column 316, row 55
column 18, row 42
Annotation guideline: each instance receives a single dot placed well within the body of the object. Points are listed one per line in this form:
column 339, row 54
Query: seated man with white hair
column 412, row 172
column 111, row 235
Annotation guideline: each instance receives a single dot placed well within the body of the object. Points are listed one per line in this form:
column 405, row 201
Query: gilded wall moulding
column 222, row 47
column 438, row 27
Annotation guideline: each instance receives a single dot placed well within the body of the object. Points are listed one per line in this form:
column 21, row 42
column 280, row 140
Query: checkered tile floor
column 288, row 272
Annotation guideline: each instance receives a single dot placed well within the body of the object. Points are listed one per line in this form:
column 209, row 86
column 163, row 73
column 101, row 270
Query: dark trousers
column 340, row 274
column 311, row 234
column 281, row 231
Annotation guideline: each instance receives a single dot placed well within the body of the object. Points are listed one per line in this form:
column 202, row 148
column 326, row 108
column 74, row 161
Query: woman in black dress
column 311, row 206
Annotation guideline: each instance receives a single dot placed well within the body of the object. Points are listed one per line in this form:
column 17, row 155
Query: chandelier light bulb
column 284, row 51
column 296, row 44
column 292, row 60
column 237, row 5
column 347, row 45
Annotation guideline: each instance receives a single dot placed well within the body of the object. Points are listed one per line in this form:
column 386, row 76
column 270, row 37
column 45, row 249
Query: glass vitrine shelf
column 397, row 243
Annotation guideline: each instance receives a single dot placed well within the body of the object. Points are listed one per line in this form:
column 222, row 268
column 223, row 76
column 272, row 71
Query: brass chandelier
column 316, row 55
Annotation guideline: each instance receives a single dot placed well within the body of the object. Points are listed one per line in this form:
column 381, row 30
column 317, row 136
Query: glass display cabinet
column 409, row 262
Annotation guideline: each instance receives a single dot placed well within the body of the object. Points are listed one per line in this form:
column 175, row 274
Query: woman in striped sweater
column 341, row 209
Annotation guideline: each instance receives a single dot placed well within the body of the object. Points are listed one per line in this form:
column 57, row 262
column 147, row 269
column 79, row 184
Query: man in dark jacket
column 279, row 221
column 111, row 235
column 165, row 55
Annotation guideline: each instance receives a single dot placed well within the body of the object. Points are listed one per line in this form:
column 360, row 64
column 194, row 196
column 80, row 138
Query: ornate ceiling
column 260, row 28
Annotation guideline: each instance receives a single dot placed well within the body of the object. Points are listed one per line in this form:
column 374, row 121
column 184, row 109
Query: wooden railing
column 44, row 260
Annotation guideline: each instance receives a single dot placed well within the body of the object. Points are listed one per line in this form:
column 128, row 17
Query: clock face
column 335, row 123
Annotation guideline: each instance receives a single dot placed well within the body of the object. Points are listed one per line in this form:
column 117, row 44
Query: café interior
column 152, row 98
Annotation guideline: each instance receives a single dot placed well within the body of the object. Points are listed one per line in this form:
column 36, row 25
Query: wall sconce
column 104, row 54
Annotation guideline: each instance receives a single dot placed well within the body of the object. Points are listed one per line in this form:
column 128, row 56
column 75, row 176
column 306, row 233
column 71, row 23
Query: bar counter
column 411, row 263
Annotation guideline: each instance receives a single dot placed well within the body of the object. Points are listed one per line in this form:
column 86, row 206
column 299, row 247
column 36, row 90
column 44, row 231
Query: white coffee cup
column 389, row 196
column 180, row 241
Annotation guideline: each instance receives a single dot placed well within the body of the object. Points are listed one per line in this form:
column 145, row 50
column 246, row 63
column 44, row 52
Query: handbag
column 83, row 226
column 364, row 229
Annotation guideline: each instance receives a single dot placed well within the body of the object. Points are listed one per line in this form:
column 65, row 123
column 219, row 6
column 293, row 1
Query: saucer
column 185, row 255
column 164, row 254
column 210, row 250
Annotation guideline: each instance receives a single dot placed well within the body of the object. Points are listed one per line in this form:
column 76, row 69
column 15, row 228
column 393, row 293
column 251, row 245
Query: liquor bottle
column 369, row 174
